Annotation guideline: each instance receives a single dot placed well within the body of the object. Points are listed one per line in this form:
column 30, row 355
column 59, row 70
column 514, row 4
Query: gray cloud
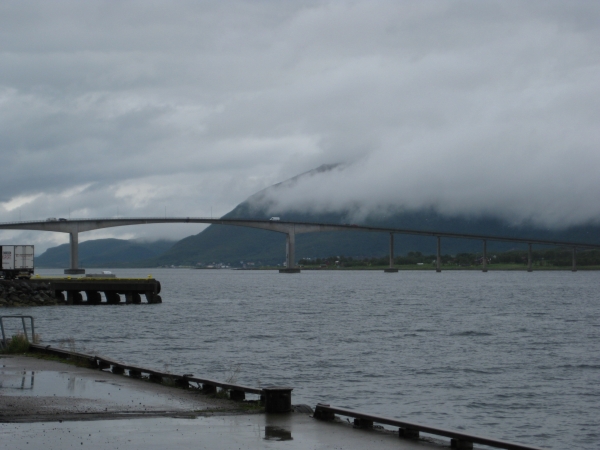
column 469, row 107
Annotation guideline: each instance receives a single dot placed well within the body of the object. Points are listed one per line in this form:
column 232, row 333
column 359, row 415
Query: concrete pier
column 290, row 253
column 529, row 259
column 484, row 261
column 391, row 269
column 74, row 255
column 438, row 258
column 574, row 267
column 132, row 289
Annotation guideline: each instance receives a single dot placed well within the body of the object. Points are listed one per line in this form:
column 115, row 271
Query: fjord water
column 511, row 355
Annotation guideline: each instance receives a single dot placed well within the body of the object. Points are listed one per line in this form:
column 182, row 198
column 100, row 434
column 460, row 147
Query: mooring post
column 484, row 260
column 574, row 268
column 391, row 269
column 529, row 258
column 438, row 259
column 461, row 444
column 278, row 399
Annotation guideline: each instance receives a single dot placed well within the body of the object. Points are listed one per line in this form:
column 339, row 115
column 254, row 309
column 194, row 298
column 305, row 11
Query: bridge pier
column 391, row 269
column 290, row 254
column 484, row 260
column 574, row 267
column 529, row 259
column 438, row 258
column 74, row 248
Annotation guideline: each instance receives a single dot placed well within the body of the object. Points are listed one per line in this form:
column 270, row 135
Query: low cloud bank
column 467, row 107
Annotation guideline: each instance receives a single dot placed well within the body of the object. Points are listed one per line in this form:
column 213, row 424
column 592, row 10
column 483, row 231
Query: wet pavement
column 34, row 389
column 51, row 405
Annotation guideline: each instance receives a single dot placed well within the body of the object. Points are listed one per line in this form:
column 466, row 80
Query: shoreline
column 490, row 267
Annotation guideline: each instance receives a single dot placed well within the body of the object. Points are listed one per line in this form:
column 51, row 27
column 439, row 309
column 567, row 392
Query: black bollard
column 278, row 399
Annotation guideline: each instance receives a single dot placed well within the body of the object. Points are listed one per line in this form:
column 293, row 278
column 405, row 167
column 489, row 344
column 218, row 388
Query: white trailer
column 17, row 261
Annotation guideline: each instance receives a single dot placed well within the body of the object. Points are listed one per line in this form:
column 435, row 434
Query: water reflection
column 71, row 384
column 27, row 382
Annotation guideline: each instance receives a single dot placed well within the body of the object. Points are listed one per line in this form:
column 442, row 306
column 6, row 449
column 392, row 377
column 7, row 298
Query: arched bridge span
column 75, row 226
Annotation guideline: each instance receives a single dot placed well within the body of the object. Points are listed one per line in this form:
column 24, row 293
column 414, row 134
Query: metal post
column 391, row 269
column 25, row 329
column 574, row 268
column 529, row 258
column 438, row 259
column 484, row 261
column 3, row 335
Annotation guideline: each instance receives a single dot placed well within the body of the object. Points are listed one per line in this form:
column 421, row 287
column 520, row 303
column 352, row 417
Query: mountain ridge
column 238, row 245
column 105, row 253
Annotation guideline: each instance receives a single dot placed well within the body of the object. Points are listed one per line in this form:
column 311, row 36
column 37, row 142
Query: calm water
column 512, row 355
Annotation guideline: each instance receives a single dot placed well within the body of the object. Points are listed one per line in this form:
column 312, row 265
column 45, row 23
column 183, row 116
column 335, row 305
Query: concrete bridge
column 75, row 226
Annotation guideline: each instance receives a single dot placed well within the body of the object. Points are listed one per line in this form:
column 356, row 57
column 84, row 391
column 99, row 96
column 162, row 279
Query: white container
column 17, row 261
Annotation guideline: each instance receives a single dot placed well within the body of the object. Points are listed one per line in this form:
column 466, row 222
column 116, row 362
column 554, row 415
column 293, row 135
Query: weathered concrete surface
column 292, row 431
column 34, row 389
column 50, row 405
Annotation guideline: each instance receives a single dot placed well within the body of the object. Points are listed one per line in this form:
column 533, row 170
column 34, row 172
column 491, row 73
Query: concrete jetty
column 52, row 405
column 88, row 290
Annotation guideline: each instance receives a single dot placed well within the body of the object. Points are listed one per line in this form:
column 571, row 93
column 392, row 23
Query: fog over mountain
column 186, row 108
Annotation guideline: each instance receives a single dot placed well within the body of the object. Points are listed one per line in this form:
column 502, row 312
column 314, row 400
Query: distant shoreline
column 498, row 267
column 491, row 267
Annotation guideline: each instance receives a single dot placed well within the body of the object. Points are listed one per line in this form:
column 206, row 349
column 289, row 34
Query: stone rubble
column 19, row 293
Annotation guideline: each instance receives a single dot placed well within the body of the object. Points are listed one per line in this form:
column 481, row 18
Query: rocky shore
column 15, row 293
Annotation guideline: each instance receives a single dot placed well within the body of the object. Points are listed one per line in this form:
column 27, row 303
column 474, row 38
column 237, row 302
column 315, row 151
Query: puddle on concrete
column 64, row 384
column 274, row 433
column 245, row 432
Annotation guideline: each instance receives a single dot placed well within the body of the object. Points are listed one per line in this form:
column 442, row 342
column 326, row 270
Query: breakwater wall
column 17, row 293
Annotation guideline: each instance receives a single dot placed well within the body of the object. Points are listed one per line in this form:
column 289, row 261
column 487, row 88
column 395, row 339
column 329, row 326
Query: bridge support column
column 484, row 259
column 574, row 267
column 290, row 254
column 438, row 258
column 529, row 259
column 391, row 269
column 74, row 247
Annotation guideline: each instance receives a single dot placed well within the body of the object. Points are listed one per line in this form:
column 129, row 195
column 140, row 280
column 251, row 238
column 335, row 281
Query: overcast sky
column 137, row 108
